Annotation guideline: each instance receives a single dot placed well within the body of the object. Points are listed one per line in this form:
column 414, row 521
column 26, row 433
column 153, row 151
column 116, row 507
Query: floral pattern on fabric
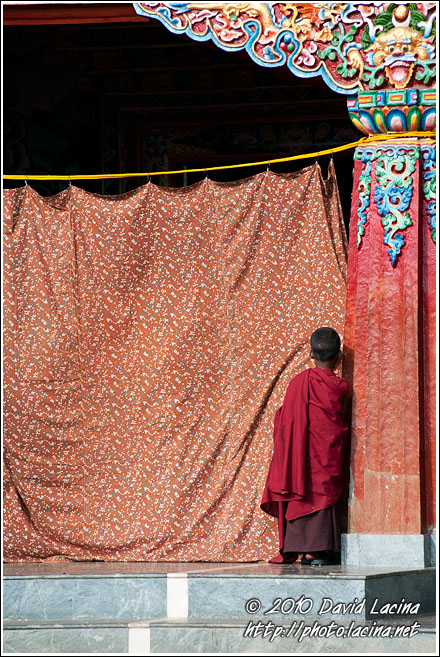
column 149, row 339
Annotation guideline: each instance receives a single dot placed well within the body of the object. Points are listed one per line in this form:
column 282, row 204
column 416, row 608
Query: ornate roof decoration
column 353, row 46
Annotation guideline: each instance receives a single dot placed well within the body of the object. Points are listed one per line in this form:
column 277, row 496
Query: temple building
column 335, row 103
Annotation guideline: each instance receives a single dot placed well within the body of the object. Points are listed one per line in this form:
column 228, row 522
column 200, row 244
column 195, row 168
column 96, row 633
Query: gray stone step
column 74, row 607
column 147, row 591
column 221, row 636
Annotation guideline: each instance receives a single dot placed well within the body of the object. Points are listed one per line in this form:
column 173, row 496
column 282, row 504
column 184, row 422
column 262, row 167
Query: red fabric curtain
column 52, row 13
column 149, row 340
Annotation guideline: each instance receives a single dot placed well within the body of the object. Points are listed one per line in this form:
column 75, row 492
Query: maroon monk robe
column 305, row 474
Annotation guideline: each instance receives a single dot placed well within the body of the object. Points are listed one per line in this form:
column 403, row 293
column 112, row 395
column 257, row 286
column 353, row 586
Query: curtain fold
column 149, row 340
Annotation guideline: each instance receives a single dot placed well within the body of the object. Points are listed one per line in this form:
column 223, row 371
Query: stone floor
column 202, row 607
column 254, row 568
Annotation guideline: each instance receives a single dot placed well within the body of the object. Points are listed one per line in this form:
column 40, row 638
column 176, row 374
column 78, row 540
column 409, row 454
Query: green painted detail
column 363, row 154
column 335, row 50
column 367, row 104
column 379, row 120
column 424, row 98
column 428, row 73
column 395, row 97
column 413, row 118
column 373, row 76
column 385, row 18
column 357, row 123
column 394, row 193
column 430, row 187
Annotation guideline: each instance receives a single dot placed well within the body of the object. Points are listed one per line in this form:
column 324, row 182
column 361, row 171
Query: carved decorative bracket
column 352, row 46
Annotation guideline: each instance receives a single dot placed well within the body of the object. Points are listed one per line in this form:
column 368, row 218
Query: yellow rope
column 336, row 149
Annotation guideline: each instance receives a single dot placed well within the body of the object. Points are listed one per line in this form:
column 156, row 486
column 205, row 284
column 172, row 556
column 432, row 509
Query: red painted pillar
column 390, row 340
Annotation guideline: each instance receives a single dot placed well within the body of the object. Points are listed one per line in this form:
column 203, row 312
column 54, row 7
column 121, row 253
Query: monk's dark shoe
column 306, row 562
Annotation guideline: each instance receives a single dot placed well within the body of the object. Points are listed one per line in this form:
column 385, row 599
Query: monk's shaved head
column 325, row 344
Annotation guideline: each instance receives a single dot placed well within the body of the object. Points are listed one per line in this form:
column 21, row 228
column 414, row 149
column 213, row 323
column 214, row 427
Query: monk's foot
column 323, row 554
column 309, row 558
column 290, row 557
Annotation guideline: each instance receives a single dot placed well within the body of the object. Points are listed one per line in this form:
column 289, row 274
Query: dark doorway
column 133, row 97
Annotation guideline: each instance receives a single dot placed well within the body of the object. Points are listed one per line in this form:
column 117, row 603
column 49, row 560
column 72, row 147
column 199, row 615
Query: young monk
column 305, row 476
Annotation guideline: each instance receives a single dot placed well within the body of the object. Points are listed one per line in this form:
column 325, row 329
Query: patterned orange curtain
column 149, row 340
